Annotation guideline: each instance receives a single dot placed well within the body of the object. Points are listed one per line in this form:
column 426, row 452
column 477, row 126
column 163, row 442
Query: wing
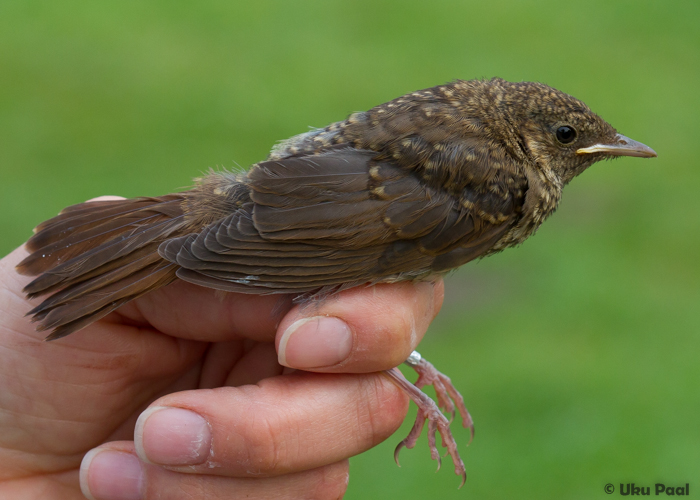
column 339, row 218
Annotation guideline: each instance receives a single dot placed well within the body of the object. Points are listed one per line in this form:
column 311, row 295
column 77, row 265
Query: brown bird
column 408, row 190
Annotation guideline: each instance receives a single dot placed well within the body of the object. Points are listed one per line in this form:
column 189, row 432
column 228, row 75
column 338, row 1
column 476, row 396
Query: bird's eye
column 566, row 134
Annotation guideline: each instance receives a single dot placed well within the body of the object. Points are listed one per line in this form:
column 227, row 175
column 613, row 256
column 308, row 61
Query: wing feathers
column 327, row 220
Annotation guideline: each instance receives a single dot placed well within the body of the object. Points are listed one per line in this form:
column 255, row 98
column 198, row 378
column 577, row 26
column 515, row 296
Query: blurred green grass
column 577, row 353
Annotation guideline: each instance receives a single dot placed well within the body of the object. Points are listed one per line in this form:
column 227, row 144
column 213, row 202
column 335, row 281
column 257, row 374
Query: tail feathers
column 123, row 244
column 96, row 256
column 109, row 273
column 80, row 218
column 70, row 234
column 72, row 315
column 83, row 216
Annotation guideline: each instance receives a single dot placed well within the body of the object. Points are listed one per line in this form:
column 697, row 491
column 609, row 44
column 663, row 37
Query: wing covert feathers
column 323, row 221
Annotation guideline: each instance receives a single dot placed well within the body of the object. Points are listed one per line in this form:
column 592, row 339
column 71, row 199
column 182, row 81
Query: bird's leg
column 448, row 398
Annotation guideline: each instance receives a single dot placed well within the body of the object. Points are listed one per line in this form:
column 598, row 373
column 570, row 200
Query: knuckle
column 262, row 449
column 391, row 410
column 382, row 413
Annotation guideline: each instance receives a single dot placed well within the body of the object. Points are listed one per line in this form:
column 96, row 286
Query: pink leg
column 448, row 398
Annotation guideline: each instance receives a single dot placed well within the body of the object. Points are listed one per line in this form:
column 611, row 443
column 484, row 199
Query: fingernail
column 111, row 475
column 315, row 342
column 172, row 436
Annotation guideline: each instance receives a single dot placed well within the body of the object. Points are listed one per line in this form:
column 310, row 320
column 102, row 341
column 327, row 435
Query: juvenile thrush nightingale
column 408, row 190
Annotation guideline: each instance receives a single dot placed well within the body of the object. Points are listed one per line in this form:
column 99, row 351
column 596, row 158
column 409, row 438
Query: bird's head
column 557, row 131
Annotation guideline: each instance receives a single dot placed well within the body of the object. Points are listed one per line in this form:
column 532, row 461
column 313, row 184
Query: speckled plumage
column 409, row 189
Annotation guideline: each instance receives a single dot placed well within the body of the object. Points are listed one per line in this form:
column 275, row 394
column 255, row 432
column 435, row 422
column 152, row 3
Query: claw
column 397, row 450
column 464, row 480
column 439, row 461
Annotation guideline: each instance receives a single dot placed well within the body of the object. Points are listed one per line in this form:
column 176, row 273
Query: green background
column 577, row 353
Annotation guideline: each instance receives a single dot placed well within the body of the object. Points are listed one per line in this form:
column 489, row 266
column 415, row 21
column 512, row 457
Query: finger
column 106, row 198
column 193, row 312
column 14, row 305
column 235, row 364
column 282, row 425
column 360, row 330
column 114, row 471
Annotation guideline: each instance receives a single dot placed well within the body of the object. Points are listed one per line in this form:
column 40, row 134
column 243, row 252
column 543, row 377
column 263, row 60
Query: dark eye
column 566, row 134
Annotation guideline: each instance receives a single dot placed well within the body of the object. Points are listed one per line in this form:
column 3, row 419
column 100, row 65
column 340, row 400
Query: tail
column 96, row 256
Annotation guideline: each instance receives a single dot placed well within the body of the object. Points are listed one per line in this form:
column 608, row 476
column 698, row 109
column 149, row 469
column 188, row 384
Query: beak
column 622, row 146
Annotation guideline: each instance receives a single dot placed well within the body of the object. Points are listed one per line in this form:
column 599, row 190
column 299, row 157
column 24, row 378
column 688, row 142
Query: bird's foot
column 448, row 398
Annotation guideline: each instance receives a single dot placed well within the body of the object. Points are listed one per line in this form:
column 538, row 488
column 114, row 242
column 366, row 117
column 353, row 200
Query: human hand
column 197, row 373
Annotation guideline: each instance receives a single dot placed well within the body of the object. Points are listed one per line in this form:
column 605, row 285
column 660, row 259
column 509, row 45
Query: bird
column 408, row 190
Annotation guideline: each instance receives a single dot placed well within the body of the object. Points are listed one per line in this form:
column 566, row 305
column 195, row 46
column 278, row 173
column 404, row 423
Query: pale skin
column 189, row 393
